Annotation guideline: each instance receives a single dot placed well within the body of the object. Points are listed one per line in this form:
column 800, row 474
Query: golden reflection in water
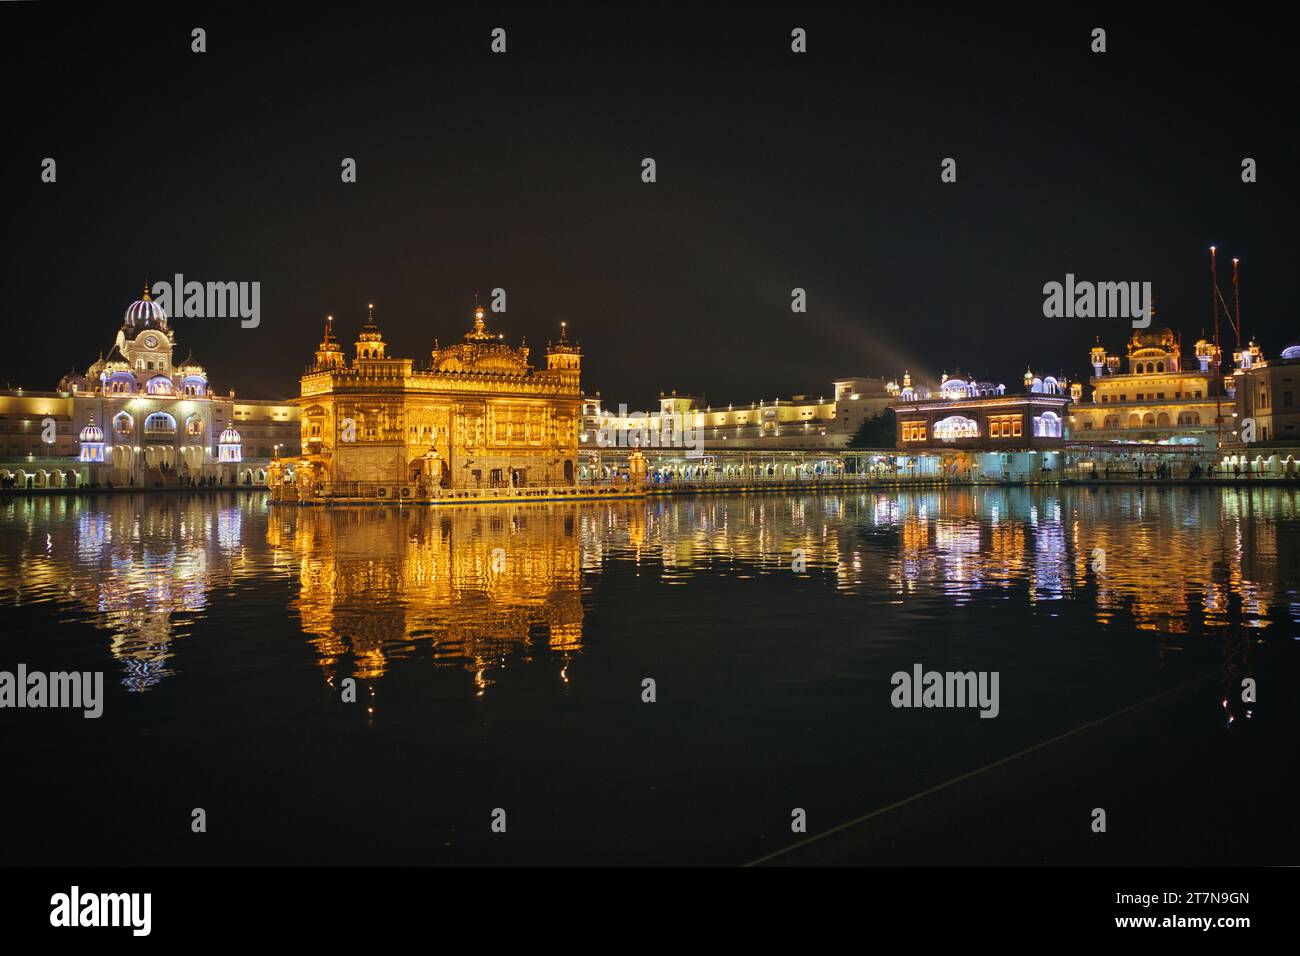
column 480, row 586
column 376, row 584
column 137, row 566
column 1171, row 557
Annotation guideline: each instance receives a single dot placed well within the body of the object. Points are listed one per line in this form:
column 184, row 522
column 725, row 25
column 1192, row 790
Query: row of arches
column 955, row 427
column 955, row 388
column 1047, row 425
column 69, row 478
column 157, row 456
column 1046, row 386
column 712, row 470
column 1152, row 420
column 158, row 424
column 40, row 478
column 124, row 383
column 1271, row 466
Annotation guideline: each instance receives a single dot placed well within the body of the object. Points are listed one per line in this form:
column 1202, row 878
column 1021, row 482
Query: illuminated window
column 1005, row 426
column 955, row 427
column 1047, row 425
column 159, row 424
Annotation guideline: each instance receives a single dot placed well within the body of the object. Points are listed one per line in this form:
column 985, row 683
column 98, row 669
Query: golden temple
column 478, row 417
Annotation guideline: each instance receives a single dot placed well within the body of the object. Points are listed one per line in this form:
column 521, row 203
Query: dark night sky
column 523, row 171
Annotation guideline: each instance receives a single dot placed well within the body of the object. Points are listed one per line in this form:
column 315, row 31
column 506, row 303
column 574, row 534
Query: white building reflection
column 141, row 567
column 374, row 586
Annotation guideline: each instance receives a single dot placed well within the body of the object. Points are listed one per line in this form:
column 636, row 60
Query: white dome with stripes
column 145, row 313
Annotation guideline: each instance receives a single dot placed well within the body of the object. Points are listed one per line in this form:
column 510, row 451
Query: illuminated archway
column 160, row 425
column 955, row 427
column 1047, row 425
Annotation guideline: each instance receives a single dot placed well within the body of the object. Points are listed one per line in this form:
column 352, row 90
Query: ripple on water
column 472, row 588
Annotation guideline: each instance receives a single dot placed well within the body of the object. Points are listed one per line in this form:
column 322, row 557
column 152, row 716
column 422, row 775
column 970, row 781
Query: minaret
column 370, row 343
column 1248, row 357
column 1205, row 352
column 1098, row 359
column 564, row 354
column 329, row 354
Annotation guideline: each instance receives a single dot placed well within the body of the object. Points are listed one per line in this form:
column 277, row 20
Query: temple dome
column 229, row 437
column 116, row 362
column 72, row 381
column 92, row 433
column 1160, row 337
column 481, row 351
column 145, row 313
column 190, row 367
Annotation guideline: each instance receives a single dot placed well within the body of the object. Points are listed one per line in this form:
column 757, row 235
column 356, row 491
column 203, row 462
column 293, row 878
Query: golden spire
column 145, row 296
column 480, row 323
column 370, row 331
column 328, row 340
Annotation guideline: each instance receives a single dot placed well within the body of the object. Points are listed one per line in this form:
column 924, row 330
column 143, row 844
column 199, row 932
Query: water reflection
column 486, row 588
column 480, row 587
column 1172, row 557
column 139, row 567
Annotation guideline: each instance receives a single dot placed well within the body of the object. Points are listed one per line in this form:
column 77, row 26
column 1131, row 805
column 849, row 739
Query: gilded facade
column 479, row 416
column 1160, row 397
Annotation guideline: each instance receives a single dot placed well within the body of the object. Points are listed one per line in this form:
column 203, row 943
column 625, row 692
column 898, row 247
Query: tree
column 879, row 431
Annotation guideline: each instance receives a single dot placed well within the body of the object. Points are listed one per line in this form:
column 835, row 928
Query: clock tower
column 145, row 339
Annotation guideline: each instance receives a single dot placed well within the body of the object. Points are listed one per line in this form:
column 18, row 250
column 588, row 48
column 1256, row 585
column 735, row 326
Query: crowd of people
column 1166, row 470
